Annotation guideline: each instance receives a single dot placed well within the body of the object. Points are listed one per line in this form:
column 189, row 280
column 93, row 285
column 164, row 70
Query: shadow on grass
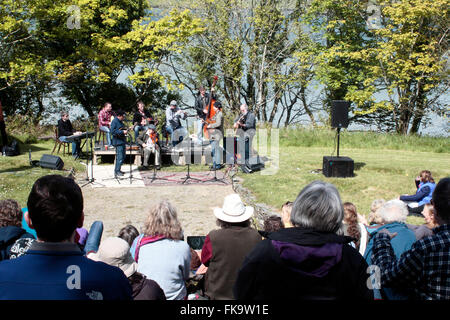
column 359, row 165
column 17, row 169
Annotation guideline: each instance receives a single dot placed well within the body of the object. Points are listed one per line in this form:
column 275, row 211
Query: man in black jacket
column 201, row 104
column 245, row 124
column 65, row 129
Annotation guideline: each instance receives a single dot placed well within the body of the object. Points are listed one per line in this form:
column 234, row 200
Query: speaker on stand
column 338, row 166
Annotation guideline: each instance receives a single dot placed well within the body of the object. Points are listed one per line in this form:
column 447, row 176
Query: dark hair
column 426, row 176
column 441, row 199
column 10, row 213
column 120, row 112
column 128, row 233
column 55, row 206
column 351, row 220
column 273, row 223
column 225, row 225
column 218, row 104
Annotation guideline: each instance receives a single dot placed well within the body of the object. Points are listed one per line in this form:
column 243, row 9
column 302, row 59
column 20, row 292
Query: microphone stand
column 130, row 143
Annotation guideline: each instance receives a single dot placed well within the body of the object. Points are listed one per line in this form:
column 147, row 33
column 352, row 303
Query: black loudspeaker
column 339, row 113
column 338, row 167
column 51, row 162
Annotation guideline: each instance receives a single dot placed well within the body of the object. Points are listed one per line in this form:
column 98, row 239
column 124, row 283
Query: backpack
column 12, row 150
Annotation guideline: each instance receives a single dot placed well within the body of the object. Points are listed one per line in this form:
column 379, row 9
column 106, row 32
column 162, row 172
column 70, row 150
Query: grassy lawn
column 385, row 167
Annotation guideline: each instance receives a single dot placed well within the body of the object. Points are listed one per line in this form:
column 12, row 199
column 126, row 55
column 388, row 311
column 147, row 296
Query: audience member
column 10, row 226
column 224, row 250
column 24, row 223
column 54, row 267
column 426, row 229
column 374, row 218
column 161, row 253
column 286, row 214
column 128, row 233
column 425, row 185
column 273, row 223
column 353, row 228
column 424, row 270
column 309, row 261
column 393, row 214
column 116, row 252
column 94, row 238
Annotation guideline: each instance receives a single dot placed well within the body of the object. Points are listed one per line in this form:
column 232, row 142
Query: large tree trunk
column 419, row 111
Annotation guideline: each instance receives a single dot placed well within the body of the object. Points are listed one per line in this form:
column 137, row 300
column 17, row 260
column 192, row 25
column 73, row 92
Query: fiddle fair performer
column 65, row 129
column 173, row 123
column 149, row 141
column 245, row 124
column 104, row 121
column 142, row 119
column 201, row 104
column 215, row 130
column 119, row 133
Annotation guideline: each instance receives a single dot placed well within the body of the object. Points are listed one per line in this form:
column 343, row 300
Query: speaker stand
column 188, row 177
column 338, row 140
column 91, row 156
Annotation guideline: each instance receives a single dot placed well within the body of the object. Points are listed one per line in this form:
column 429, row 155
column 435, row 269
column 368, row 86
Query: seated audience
column 374, row 218
column 10, row 227
column 393, row 214
column 161, row 253
column 425, row 185
column 309, row 261
column 224, row 250
column 94, row 237
column 273, row 223
column 286, row 214
column 426, row 229
column 424, row 270
column 353, row 228
column 54, row 267
column 24, row 223
column 128, row 233
column 116, row 252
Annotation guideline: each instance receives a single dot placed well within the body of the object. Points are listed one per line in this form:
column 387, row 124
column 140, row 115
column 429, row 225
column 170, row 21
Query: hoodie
column 298, row 263
column 8, row 236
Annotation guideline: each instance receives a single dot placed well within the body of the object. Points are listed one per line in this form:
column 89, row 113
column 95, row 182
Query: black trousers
column 416, row 211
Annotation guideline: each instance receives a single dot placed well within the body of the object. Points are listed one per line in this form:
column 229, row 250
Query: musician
column 149, row 141
column 215, row 130
column 119, row 138
column 142, row 119
column 201, row 104
column 173, row 123
column 65, row 129
column 245, row 124
column 104, row 121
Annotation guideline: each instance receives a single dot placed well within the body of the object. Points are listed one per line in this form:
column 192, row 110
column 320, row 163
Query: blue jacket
column 400, row 243
column 117, row 128
column 8, row 236
column 59, row 271
column 423, row 194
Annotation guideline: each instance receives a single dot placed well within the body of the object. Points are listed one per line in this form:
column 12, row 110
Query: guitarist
column 245, row 124
column 201, row 104
column 119, row 133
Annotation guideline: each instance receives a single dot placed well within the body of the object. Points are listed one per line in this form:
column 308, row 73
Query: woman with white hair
column 309, row 261
column 393, row 215
column 161, row 253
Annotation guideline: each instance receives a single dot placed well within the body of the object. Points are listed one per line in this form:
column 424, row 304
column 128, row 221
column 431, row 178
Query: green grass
column 385, row 166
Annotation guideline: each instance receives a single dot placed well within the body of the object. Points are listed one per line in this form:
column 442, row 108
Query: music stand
column 90, row 135
column 209, row 160
column 130, row 143
column 188, row 157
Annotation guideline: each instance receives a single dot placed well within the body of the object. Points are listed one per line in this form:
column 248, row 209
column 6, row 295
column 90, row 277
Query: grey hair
column 64, row 112
column 318, row 206
column 376, row 204
column 393, row 211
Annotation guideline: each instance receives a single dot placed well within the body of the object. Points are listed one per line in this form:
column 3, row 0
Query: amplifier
column 338, row 167
column 51, row 162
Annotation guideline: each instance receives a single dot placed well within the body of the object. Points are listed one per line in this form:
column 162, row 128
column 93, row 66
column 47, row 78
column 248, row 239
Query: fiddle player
column 65, row 129
column 245, row 124
column 149, row 141
column 142, row 119
column 119, row 133
column 104, row 121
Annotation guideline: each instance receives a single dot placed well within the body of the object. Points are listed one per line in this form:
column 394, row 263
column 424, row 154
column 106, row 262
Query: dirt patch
column 117, row 207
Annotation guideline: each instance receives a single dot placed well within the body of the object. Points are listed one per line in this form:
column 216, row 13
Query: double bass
column 210, row 109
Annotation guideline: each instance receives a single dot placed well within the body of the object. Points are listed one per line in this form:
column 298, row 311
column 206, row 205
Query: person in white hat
column 224, row 250
column 116, row 252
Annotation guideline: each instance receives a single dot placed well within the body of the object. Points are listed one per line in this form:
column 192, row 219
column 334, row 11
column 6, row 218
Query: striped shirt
column 424, row 269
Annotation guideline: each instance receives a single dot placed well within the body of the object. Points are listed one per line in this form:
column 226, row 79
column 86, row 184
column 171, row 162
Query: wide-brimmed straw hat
column 233, row 210
column 116, row 252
